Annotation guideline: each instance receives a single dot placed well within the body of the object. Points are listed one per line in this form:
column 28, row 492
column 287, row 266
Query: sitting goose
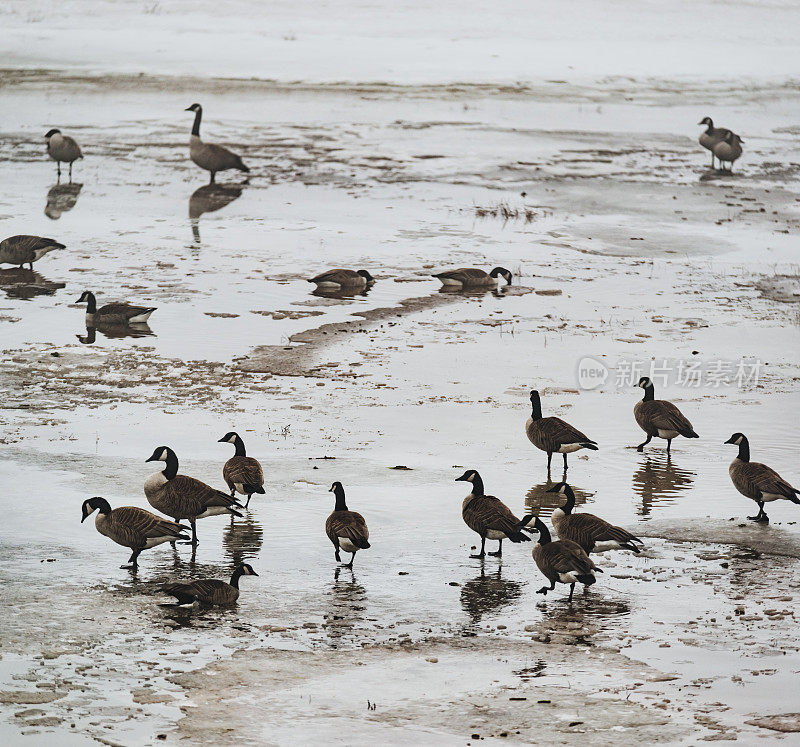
column 241, row 472
column 62, row 148
column 132, row 527
column 591, row 532
column 209, row 590
column 659, row 417
column 209, row 156
column 711, row 136
column 17, row 250
column 728, row 150
column 488, row 516
column 335, row 280
column 113, row 313
column 757, row 481
column 553, row 434
column 183, row 497
column 562, row 561
column 470, row 277
column 346, row 529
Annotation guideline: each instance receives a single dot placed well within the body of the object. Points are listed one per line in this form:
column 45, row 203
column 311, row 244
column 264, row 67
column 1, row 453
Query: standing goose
column 209, row 590
column 62, row 148
column 553, row 434
column 183, row 497
column 209, row 156
column 471, row 277
column 711, row 136
column 728, row 150
column 488, row 516
column 659, row 417
column 113, row 313
column 757, row 481
column 132, row 527
column 346, row 529
column 591, row 532
column 242, row 473
column 562, row 561
column 334, row 280
column 17, row 250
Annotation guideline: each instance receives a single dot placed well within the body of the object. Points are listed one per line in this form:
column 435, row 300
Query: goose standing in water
column 346, row 529
column 183, row 497
column 591, row 532
column 728, row 150
column 711, row 136
column 62, row 149
column 132, row 527
column 242, row 473
column 757, row 481
column 113, row 313
column 471, row 277
column 210, row 591
column 659, row 417
column 553, row 434
column 334, row 280
column 208, row 156
column 17, row 250
column 488, row 516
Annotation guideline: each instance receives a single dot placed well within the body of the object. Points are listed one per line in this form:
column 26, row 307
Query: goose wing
column 222, row 157
column 22, row 248
column 210, row 591
column 489, row 512
column 243, row 470
column 559, row 432
column 348, row 524
column 565, row 556
column 123, row 310
column 587, row 529
column 759, row 479
column 74, row 148
column 204, row 495
column 463, row 274
column 139, row 525
column 663, row 415
column 336, row 276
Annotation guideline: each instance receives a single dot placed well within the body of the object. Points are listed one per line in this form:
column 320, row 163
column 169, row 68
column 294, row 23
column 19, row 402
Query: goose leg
column 545, row 589
column 761, row 516
column 565, row 461
column 249, row 496
column 499, row 552
column 352, row 558
column 669, row 443
column 641, row 446
column 211, row 181
column 481, row 553
column 337, row 556
column 58, row 166
column 571, row 591
column 194, row 531
column 549, row 459
column 132, row 560
column 70, row 171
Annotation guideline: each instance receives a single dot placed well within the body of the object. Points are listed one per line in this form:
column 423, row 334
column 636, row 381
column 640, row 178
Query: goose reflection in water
column 488, row 593
column 26, row 284
column 61, row 198
column 243, row 540
column 346, row 604
column 538, row 501
column 659, row 482
column 208, row 199
column 114, row 332
column 343, row 294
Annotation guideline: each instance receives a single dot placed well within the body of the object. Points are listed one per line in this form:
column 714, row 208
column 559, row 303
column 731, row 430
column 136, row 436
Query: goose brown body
column 472, row 277
column 347, row 530
column 26, row 249
column 115, row 313
column 209, row 156
column 334, row 279
column 729, row 149
column 210, row 591
column 562, row 561
column 554, row 435
column 711, row 136
column 242, row 474
column 659, row 417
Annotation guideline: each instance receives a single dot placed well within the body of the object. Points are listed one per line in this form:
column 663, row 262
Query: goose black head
column 561, row 488
column 706, row 121
column 50, row 133
column 644, row 382
column 502, row 272
column 364, row 274
column 736, row 439
column 95, row 504
column 85, row 296
column 193, row 108
column 229, row 438
column 470, row 475
column 337, row 488
column 245, row 569
column 160, row 454
column 534, row 395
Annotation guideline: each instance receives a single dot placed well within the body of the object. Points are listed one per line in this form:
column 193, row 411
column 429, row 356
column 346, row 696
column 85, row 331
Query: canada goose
column 488, row 516
column 553, row 434
column 17, row 250
column 659, row 417
column 591, row 532
column 183, row 497
column 562, row 561
column 728, row 150
column 132, row 527
column 757, row 481
column 337, row 279
column 113, row 313
column 209, row 590
column 209, row 156
column 346, row 529
column 241, row 472
column 62, row 148
column 711, row 136
column 470, row 277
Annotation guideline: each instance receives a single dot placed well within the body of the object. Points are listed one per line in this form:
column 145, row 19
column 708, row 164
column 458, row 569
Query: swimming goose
column 346, row 529
column 728, row 150
column 62, row 148
column 338, row 279
column 183, row 497
column 488, row 516
column 242, row 473
column 659, row 417
column 113, row 313
column 553, row 434
column 562, row 561
column 209, row 156
column 591, row 532
column 711, row 136
column 132, row 527
column 470, row 277
column 757, row 481
column 209, row 590
column 17, row 250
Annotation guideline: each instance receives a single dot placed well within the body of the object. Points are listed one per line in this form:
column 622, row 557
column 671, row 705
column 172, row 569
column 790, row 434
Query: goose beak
column 220, row 440
column 151, row 459
column 730, row 441
column 188, row 109
column 84, row 518
column 253, row 573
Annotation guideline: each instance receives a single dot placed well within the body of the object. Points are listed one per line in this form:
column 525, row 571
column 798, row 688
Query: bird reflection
column 658, row 481
column 61, row 198
column 26, row 284
column 115, row 331
column 542, row 503
column 344, row 293
column 579, row 621
column 209, row 198
column 486, row 594
column 242, row 541
column 346, row 602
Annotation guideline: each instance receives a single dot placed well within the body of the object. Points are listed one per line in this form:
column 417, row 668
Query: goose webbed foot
column 337, row 556
column 641, row 446
column 543, row 590
column 479, row 555
column 498, row 554
column 350, row 564
column 760, row 518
